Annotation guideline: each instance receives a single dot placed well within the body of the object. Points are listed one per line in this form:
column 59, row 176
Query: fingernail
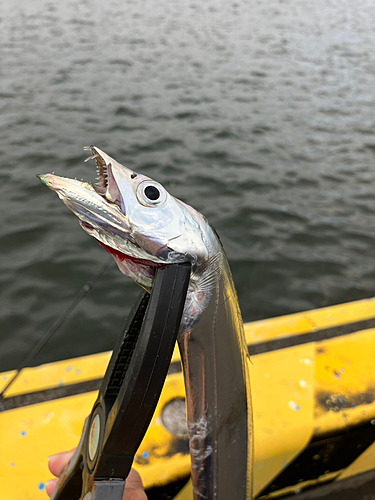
column 55, row 455
column 50, row 486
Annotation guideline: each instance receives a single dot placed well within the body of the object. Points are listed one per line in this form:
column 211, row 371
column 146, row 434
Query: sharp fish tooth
column 92, row 157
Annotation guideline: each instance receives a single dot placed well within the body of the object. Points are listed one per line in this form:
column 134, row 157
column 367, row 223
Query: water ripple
column 262, row 118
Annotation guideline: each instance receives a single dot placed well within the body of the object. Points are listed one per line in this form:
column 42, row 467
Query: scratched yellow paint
column 278, row 403
column 345, row 381
column 29, row 435
column 287, row 385
column 37, row 431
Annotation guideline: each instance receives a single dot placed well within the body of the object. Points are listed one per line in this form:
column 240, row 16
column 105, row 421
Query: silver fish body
column 144, row 228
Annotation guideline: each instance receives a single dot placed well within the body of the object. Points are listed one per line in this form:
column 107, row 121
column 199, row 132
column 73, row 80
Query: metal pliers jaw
column 129, row 392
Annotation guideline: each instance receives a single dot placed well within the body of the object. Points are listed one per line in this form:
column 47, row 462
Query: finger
column 134, row 487
column 50, row 486
column 56, row 463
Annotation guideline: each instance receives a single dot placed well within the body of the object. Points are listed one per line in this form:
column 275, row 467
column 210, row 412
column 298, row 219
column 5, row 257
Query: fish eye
column 151, row 194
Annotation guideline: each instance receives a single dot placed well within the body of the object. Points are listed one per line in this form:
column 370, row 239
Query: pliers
column 129, row 392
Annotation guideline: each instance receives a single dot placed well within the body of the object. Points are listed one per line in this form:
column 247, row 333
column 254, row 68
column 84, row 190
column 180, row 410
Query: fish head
column 134, row 218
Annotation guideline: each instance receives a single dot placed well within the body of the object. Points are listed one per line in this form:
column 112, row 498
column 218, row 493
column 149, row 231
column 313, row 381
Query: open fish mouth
column 103, row 211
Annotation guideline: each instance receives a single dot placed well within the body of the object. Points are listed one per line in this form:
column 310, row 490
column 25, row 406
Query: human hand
column 133, row 486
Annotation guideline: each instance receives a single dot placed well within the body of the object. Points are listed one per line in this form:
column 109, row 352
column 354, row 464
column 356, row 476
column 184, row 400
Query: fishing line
column 65, row 315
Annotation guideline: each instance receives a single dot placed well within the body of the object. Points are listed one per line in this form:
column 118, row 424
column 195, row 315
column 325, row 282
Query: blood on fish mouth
column 122, row 256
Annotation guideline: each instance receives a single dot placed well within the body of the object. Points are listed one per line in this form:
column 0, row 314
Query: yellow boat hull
column 313, row 385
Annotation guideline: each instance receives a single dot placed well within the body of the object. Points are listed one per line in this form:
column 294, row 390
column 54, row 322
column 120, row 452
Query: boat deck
column 313, row 385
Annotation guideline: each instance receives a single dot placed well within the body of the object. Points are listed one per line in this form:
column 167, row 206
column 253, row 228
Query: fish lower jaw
column 142, row 271
column 120, row 256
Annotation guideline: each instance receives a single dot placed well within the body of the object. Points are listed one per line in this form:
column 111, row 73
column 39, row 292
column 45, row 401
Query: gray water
column 261, row 114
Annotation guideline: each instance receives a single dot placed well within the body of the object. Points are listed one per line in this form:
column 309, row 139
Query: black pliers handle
column 129, row 392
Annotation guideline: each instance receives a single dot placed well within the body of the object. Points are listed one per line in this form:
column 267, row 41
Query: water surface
column 259, row 114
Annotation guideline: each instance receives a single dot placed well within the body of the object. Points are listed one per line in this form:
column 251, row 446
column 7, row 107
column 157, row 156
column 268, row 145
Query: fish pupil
column 152, row 193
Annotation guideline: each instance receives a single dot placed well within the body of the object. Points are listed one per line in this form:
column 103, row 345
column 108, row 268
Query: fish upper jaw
column 106, row 183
